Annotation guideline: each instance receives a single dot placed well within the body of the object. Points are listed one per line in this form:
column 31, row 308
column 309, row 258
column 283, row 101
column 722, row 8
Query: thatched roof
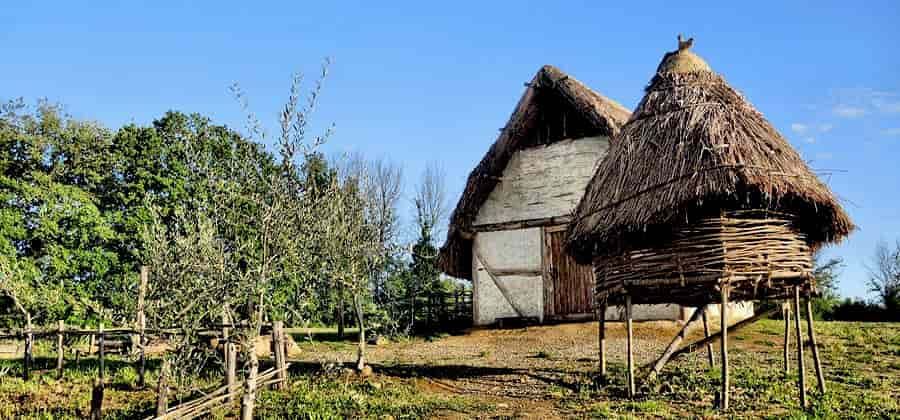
column 587, row 114
column 693, row 147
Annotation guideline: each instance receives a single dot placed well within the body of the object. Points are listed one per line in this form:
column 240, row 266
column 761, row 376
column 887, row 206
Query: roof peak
column 683, row 60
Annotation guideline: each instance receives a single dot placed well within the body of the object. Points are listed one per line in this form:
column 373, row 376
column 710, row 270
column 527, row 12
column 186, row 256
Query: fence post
column 278, row 347
column 29, row 347
column 59, row 348
column 142, row 325
column 230, row 360
column 100, row 348
column 97, row 400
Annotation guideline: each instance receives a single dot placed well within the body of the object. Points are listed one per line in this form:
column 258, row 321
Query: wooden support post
column 820, row 377
column 742, row 324
column 673, row 345
column 723, row 311
column 630, row 346
column 142, row 326
column 60, row 326
column 100, row 349
column 786, row 314
column 29, row 348
column 97, row 400
column 231, row 367
column 91, row 344
column 800, row 370
column 278, row 347
column 602, row 339
column 709, row 348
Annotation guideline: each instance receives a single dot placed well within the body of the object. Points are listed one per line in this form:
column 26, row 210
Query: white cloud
column 824, row 128
column 886, row 107
column 799, row 128
column 848, row 111
column 894, row 132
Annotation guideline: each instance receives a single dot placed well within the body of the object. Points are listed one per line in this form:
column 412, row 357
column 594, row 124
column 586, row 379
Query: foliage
column 826, row 274
column 884, row 276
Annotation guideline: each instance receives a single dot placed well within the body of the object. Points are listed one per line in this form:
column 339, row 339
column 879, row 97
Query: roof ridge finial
column 684, row 45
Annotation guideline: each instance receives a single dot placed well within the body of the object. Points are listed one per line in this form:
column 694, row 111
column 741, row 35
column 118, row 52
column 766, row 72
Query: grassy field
column 538, row 372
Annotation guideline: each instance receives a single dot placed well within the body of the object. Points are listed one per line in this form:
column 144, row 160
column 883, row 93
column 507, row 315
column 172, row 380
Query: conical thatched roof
column 694, row 147
column 590, row 114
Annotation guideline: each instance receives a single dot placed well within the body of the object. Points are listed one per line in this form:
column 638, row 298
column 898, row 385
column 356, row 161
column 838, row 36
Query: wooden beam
column 723, row 312
column 630, row 346
column 800, row 370
column 786, row 314
column 709, row 348
column 690, row 348
column 497, row 282
column 522, row 224
column 518, row 272
column 602, row 340
column 820, row 377
column 673, row 345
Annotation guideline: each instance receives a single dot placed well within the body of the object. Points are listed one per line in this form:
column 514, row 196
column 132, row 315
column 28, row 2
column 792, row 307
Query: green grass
column 862, row 368
column 860, row 364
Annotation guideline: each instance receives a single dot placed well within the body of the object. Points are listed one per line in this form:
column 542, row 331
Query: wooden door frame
column 547, row 277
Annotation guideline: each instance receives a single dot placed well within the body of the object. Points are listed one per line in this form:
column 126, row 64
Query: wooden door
column 568, row 286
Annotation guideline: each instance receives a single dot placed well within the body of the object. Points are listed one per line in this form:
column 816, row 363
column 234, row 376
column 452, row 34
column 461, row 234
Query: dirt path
column 522, row 371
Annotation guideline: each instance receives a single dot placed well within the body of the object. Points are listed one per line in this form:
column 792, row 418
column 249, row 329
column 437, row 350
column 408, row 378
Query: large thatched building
column 506, row 234
column 701, row 201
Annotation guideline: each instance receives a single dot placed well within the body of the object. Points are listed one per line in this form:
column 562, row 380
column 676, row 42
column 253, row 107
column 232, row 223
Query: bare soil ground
column 550, row 371
column 524, row 372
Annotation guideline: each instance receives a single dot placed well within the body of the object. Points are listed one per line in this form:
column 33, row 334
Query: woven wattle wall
column 760, row 255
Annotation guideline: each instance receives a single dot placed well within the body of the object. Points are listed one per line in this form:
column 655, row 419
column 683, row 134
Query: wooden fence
column 448, row 310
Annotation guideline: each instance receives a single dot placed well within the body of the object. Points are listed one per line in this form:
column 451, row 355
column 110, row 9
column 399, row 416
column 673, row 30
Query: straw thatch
column 562, row 107
column 693, row 147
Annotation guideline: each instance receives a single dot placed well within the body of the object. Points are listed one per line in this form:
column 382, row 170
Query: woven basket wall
column 759, row 254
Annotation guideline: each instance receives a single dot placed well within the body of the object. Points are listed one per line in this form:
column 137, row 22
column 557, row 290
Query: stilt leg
column 800, row 370
column 601, row 316
column 786, row 314
column 723, row 311
column 820, row 377
column 630, row 345
column 709, row 347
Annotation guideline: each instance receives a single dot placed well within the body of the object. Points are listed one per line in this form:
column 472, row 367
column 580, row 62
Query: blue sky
column 417, row 82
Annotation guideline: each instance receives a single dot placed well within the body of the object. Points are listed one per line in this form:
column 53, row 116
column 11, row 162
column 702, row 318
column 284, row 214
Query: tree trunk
column 248, row 403
column 340, row 310
column 162, row 390
column 360, row 323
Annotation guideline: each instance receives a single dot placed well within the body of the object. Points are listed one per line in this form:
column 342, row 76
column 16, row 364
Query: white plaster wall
column 543, row 181
column 508, row 250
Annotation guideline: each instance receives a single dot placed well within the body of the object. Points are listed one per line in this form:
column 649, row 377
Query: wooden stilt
column 723, row 311
column 709, row 347
column 630, row 346
column 820, row 377
column 800, row 371
column 786, row 314
column 602, row 339
column 676, row 341
column 689, row 348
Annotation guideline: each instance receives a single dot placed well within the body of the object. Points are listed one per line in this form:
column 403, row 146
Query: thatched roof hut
column 700, row 201
column 693, row 150
column 549, row 91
